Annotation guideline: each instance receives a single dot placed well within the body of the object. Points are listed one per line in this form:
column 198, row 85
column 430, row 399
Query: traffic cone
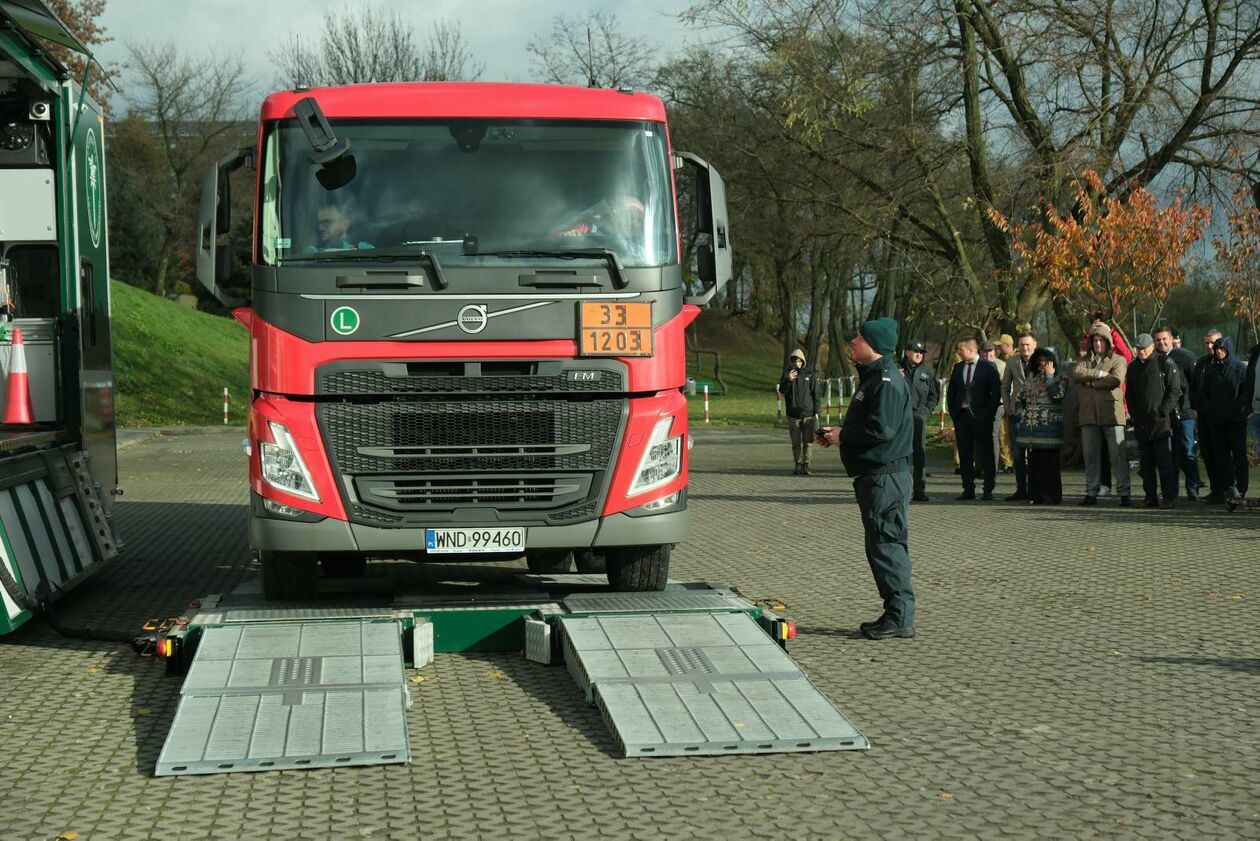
column 17, row 406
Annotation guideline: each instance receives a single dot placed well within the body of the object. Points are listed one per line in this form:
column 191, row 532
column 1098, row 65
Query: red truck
column 466, row 325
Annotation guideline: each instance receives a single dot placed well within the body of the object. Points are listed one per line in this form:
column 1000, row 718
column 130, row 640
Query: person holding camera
column 876, row 443
column 799, row 388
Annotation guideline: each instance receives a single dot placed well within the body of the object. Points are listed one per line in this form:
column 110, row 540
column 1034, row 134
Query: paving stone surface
column 1077, row 674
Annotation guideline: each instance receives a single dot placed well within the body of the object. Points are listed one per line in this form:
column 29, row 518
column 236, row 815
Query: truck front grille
column 548, row 456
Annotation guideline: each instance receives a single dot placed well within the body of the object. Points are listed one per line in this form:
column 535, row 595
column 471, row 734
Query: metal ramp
column 683, row 684
column 276, row 695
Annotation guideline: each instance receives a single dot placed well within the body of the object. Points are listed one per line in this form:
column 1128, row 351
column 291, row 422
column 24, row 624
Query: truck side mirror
column 713, row 253
column 214, row 217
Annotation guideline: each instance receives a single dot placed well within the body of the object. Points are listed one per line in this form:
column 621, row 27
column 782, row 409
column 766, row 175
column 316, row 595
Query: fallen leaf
column 946, row 795
column 496, row 673
column 143, row 711
column 1237, row 597
column 93, row 670
column 67, row 836
column 419, row 678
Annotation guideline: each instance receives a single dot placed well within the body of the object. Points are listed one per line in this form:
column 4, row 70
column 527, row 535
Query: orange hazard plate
column 615, row 329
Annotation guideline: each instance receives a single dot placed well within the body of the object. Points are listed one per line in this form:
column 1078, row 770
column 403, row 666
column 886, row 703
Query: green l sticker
column 345, row 320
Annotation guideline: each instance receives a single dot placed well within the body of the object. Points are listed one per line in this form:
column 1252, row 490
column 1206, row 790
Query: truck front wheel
column 289, row 576
column 549, row 561
column 638, row 568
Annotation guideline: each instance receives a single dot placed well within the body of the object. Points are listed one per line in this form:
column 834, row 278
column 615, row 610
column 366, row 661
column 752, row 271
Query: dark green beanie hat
column 881, row 335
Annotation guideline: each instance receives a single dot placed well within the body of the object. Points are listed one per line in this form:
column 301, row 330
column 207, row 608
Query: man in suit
column 973, row 395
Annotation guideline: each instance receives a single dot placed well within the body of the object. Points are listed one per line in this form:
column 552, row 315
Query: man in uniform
column 875, row 446
column 925, row 393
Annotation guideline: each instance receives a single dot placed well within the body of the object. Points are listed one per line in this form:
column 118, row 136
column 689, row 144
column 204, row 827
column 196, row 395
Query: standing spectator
column 1006, row 452
column 1099, row 377
column 1005, row 347
column 925, row 393
column 988, row 352
column 1153, row 392
column 1223, row 421
column 1039, row 432
column 799, row 388
column 1070, row 454
column 875, row 447
column 1252, row 399
column 1196, row 402
column 1018, row 368
column 1185, row 453
column 974, row 394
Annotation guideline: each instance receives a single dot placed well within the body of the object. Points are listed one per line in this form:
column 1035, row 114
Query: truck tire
column 549, row 561
column 289, row 576
column 343, row 564
column 589, row 561
column 638, row 568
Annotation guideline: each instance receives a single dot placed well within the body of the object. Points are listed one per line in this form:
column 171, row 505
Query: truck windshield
column 462, row 189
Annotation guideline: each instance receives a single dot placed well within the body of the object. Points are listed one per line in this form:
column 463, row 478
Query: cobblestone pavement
column 1077, row 674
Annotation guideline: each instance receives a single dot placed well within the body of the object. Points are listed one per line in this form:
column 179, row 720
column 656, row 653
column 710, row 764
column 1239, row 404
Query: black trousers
column 1224, row 447
column 1155, row 459
column 919, row 455
column 884, row 502
column 1045, row 476
column 975, row 441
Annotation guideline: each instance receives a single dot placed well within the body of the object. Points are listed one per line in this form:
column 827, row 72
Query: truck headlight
column 661, row 462
column 282, row 465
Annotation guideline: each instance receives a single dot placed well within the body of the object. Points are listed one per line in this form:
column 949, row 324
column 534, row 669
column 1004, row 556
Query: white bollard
column 778, row 404
column 706, row 403
column 827, row 422
column 225, row 405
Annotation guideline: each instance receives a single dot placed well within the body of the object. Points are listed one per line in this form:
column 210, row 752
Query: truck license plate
column 463, row 541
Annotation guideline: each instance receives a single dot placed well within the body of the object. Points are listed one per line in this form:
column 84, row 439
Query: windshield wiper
column 379, row 255
column 615, row 268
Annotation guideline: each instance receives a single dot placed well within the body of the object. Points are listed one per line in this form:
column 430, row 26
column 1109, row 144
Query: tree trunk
column 817, row 309
column 837, row 313
column 163, row 265
column 787, row 308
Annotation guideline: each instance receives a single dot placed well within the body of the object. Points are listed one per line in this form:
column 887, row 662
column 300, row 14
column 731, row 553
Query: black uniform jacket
column 925, row 391
column 878, row 431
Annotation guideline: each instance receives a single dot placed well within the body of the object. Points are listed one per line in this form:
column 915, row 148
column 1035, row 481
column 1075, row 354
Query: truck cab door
column 712, row 229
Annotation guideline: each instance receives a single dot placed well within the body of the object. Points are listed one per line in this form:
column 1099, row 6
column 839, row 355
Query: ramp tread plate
column 684, row 684
column 293, row 614
column 662, row 602
column 297, row 695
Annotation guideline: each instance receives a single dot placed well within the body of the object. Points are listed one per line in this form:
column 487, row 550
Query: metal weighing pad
column 688, row 684
column 277, row 695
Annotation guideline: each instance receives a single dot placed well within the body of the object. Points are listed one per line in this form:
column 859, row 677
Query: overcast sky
column 496, row 30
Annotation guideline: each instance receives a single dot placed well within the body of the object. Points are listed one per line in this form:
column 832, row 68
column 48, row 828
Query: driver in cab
column 332, row 230
column 620, row 220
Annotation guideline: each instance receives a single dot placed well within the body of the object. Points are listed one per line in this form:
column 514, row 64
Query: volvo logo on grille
column 472, row 318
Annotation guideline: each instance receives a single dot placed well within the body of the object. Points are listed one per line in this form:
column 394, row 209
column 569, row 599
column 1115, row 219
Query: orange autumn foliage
column 1108, row 253
column 1238, row 257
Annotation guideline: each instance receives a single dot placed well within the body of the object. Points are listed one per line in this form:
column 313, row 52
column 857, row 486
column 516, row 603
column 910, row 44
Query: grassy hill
column 171, row 362
column 751, row 366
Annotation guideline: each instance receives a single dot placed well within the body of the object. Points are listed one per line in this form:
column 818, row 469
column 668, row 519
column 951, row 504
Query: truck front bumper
column 331, row 535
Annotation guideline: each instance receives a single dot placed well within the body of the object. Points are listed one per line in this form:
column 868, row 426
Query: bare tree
column 193, row 108
column 369, row 44
column 446, row 56
column 592, row 51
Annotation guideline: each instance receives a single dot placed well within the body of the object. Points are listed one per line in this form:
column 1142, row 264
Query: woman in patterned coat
column 1041, row 427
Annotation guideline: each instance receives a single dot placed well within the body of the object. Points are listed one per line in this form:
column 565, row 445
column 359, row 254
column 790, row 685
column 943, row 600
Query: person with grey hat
column 1153, row 393
column 799, row 388
column 875, row 445
column 925, row 393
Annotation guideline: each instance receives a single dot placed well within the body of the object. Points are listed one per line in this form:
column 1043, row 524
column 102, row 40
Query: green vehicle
column 58, row 473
